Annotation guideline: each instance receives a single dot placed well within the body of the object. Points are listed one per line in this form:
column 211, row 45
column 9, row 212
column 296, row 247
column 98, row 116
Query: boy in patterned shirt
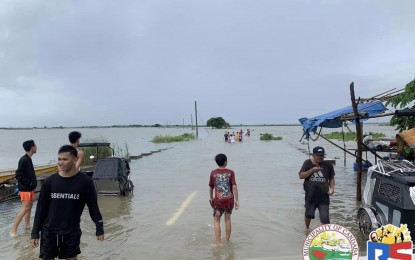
column 222, row 180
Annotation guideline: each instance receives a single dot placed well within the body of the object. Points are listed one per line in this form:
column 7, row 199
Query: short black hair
column 27, row 145
column 221, row 159
column 68, row 149
column 74, row 136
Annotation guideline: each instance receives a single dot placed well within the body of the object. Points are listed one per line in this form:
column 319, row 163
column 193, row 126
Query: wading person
column 318, row 178
column 222, row 180
column 58, row 213
column 26, row 183
column 75, row 139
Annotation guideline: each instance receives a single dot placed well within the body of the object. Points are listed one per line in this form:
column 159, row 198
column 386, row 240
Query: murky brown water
column 269, row 223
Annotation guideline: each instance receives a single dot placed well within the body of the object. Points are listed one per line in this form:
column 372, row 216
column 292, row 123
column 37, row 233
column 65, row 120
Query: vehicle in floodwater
column 389, row 196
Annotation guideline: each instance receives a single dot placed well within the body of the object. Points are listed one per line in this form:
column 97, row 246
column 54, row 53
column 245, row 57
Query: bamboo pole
column 338, row 146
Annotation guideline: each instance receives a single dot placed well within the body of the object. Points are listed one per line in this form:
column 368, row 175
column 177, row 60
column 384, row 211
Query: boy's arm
column 235, row 195
column 80, row 159
column 42, row 209
column 331, row 187
column 210, row 193
column 94, row 212
column 20, row 173
column 211, row 196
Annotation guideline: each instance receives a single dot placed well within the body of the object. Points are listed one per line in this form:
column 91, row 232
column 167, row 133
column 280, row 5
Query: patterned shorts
column 219, row 212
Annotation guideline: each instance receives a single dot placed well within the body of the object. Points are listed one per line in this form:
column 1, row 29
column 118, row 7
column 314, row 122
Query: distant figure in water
column 232, row 138
column 248, row 133
column 318, row 176
column 222, row 180
column 226, row 135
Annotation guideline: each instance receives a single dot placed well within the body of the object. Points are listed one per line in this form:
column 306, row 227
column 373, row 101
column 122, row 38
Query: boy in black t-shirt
column 58, row 213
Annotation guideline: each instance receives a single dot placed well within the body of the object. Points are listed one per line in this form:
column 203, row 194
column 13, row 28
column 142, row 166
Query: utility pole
column 197, row 131
column 359, row 144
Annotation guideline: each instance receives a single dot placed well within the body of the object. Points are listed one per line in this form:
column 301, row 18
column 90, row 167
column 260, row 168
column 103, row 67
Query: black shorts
column 61, row 246
column 323, row 210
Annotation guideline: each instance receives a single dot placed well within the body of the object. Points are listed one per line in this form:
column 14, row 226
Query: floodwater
column 171, row 187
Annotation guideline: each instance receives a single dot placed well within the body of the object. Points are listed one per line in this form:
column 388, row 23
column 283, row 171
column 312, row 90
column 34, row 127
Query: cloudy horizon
column 97, row 63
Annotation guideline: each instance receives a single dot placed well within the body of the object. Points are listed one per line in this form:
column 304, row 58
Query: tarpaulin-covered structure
column 334, row 119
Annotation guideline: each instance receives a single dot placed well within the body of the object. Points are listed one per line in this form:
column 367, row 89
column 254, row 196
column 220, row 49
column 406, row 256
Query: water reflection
column 116, row 212
column 225, row 252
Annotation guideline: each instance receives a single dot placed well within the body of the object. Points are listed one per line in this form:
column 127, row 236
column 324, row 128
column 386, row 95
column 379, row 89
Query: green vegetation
column 171, row 139
column 402, row 101
column 407, row 153
column 103, row 151
column 120, row 152
column 269, row 137
column 217, row 122
column 349, row 136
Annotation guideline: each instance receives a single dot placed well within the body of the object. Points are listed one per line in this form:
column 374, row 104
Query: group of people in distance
column 62, row 199
column 235, row 136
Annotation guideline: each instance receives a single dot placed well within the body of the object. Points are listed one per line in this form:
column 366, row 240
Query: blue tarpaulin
column 332, row 119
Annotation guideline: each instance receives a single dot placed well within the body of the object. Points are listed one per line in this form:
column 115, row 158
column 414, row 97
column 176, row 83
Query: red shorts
column 27, row 195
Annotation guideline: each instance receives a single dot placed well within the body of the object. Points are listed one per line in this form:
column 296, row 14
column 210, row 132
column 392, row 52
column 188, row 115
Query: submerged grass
column 269, row 137
column 171, row 139
column 350, row 136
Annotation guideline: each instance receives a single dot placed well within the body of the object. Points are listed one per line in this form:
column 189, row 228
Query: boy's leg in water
column 324, row 214
column 307, row 222
column 228, row 226
column 26, row 207
column 27, row 217
column 216, row 221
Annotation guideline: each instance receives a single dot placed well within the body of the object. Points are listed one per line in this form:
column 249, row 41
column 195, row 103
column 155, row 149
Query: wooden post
column 359, row 144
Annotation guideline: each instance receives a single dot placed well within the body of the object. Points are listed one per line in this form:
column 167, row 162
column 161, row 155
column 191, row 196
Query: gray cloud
column 146, row 62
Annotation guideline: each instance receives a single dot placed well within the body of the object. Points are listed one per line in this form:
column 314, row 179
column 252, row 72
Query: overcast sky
column 102, row 62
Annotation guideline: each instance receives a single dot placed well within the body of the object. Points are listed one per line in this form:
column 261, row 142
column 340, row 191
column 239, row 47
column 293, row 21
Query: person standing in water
column 222, row 181
column 226, row 136
column 318, row 176
column 26, row 183
column 75, row 139
column 58, row 212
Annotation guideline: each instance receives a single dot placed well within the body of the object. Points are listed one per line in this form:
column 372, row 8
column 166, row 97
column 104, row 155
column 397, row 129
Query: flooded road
column 169, row 216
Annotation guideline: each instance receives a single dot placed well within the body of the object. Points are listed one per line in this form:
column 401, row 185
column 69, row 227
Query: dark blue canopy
column 332, row 119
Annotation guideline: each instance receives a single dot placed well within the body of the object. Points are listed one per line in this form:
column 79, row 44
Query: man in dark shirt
column 319, row 183
column 26, row 183
column 58, row 213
